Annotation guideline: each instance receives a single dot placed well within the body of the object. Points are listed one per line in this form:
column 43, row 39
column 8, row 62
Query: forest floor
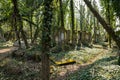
column 66, row 70
column 103, row 68
column 19, row 68
column 4, row 52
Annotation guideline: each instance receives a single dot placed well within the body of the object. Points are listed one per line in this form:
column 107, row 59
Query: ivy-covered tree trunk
column 72, row 19
column 107, row 27
column 46, row 38
column 62, row 28
column 61, row 14
column 82, row 11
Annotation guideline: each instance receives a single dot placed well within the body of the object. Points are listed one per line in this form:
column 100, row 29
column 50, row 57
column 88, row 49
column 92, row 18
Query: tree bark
column 46, row 38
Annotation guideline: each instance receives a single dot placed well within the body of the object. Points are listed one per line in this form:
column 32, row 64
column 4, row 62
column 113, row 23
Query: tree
column 29, row 3
column 72, row 19
column 107, row 27
column 18, row 22
column 46, row 38
column 33, row 10
column 109, row 14
column 61, row 14
column 62, row 28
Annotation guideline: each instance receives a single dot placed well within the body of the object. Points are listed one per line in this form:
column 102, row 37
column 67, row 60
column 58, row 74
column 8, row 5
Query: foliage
column 116, row 6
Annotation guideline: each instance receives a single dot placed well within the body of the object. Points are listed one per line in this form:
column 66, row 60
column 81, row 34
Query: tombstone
column 117, row 30
column 79, row 37
column 68, row 36
column 56, row 39
column 86, row 37
column 75, row 38
column 61, row 36
column 16, row 44
column 53, row 39
column 83, row 36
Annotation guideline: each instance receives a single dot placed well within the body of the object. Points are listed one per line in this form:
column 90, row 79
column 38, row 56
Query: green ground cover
column 105, row 68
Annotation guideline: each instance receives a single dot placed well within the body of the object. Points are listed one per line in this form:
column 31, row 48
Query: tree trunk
column 30, row 17
column 108, row 20
column 61, row 14
column 62, row 29
column 81, row 23
column 22, row 31
column 1, row 34
column 14, row 16
column 18, row 19
column 46, row 38
column 95, row 29
column 107, row 27
column 119, row 57
column 72, row 19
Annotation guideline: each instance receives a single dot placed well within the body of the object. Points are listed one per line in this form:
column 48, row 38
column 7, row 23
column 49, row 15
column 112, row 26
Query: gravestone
column 68, row 36
column 16, row 44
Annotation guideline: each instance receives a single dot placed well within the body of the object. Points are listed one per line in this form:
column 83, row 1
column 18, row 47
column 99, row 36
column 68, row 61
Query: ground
column 95, row 63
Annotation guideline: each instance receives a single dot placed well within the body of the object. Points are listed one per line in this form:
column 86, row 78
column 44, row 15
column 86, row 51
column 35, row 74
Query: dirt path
column 68, row 69
column 6, row 51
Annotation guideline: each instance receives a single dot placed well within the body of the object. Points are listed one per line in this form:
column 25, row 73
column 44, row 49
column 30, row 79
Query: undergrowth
column 105, row 68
